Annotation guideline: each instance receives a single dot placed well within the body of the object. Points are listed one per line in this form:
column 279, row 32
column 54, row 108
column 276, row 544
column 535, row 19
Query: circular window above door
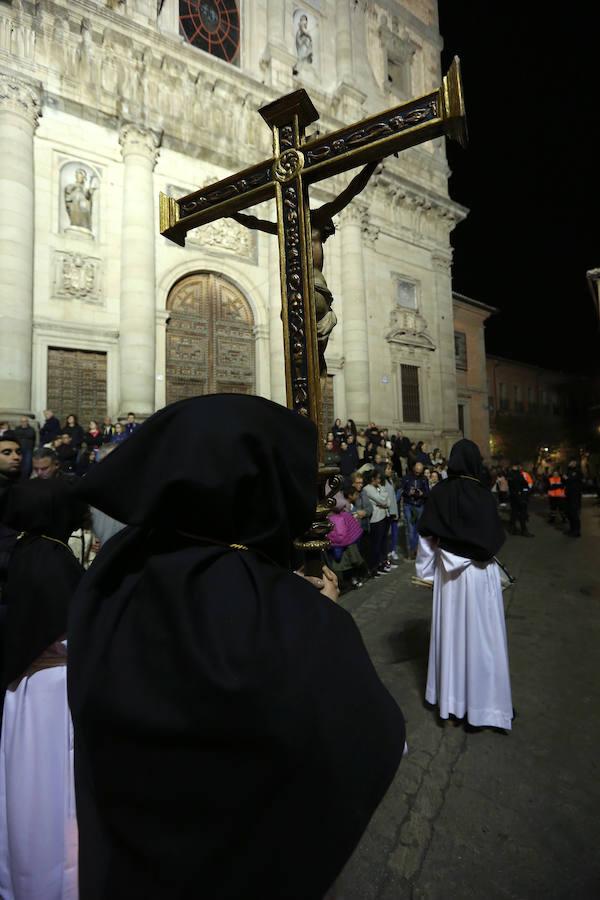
column 212, row 26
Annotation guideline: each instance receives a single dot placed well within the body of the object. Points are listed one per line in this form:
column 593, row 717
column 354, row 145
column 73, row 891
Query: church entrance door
column 77, row 384
column 210, row 339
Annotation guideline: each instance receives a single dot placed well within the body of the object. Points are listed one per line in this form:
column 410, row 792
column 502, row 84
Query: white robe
column 468, row 655
column 38, row 826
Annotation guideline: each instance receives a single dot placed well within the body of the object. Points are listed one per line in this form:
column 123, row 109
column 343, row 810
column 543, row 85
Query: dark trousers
column 574, row 517
column 378, row 536
column 557, row 505
column 518, row 513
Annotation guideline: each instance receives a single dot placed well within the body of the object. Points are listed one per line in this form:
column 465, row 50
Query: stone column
column 354, row 303
column 441, row 266
column 137, row 338
column 343, row 47
column 19, row 111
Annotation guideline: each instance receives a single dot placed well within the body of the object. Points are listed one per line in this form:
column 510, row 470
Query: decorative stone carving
column 19, row 97
column 222, row 236
column 77, row 277
column 79, row 183
column 408, row 327
column 137, row 139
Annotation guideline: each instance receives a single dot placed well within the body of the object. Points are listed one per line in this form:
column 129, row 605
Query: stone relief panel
column 77, row 277
column 79, row 186
column 222, row 236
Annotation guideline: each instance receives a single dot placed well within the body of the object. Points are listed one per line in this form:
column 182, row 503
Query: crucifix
column 295, row 165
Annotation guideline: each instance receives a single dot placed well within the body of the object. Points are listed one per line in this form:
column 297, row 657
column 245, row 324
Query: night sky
column 529, row 176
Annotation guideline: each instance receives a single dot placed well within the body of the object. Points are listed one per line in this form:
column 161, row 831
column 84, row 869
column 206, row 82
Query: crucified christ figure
column 322, row 228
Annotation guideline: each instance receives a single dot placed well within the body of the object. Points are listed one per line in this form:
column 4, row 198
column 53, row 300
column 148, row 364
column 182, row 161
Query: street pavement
column 489, row 816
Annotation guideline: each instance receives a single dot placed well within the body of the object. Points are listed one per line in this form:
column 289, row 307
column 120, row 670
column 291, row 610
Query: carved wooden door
column 77, row 384
column 210, row 339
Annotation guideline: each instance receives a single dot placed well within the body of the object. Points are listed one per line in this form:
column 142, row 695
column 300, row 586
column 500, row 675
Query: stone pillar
column 275, row 15
column 137, row 338
column 441, row 266
column 354, row 303
column 343, row 47
column 19, row 111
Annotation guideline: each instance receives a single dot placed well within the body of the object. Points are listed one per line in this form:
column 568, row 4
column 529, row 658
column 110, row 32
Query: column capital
column 138, row 140
column 441, row 261
column 21, row 97
column 356, row 213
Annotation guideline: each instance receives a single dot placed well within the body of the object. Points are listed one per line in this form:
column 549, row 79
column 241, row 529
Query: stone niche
column 79, row 199
column 305, row 43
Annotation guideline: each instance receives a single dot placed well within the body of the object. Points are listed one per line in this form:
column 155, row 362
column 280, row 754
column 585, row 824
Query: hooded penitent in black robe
column 42, row 572
column 462, row 513
column 232, row 739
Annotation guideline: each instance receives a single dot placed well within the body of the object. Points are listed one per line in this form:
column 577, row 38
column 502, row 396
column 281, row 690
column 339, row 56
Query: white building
column 104, row 104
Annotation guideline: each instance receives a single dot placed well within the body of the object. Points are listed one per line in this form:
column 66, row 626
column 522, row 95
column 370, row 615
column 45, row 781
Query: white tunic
column 38, row 826
column 468, row 654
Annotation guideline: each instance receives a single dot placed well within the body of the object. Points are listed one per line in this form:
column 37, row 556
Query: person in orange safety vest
column 556, row 496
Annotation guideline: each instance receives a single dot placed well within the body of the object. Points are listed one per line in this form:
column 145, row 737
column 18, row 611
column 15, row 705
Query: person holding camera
column 415, row 490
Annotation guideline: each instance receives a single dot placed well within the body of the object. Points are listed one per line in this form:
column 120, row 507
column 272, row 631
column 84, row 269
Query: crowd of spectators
column 388, row 478
column 68, row 448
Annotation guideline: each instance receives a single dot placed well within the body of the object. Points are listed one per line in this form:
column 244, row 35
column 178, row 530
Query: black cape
column 232, row 738
column 42, row 572
column 460, row 511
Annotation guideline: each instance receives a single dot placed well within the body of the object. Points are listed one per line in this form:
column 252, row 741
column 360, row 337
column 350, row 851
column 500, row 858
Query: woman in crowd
column 434, row 478
column 391, row 483
column 74, row 429
column 351, row 428
column 222, row 750
column 461, row 533
column 361, row 444
column 338, row 432
column 120, row 434
column 423, row 454
column 94, row 437
column 349, row 461
column 436, row 457
column 344, row 555
column 379, row 524
column 38, row 827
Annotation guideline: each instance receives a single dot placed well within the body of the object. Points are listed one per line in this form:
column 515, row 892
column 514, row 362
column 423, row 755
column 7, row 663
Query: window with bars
column 411, row 400
column 532, row 402
column 518, row 398
column 503, row 396
column 460, row 349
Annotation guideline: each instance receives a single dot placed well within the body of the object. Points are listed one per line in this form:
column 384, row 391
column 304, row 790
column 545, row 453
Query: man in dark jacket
column 26, row 436
column 415, row 491
column 573, row 491
column 50, row 429
column 518, row 496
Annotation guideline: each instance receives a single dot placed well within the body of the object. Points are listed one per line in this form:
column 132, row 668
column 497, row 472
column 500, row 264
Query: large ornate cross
column 296, row 164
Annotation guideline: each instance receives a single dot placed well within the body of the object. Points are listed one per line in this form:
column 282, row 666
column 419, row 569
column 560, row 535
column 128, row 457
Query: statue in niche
column 79, row 199
column 304, row 44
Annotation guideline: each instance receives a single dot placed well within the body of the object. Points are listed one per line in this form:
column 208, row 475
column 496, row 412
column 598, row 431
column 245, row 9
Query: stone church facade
column 105, row 104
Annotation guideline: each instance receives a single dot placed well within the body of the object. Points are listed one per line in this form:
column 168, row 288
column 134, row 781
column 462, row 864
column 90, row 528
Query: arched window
column 210, row 339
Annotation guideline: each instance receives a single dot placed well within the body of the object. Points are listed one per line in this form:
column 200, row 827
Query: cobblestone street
column 488, row 815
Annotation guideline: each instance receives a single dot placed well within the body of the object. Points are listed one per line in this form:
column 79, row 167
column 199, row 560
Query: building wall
column 471, row 374
column 109, row 88
column 533, row 408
